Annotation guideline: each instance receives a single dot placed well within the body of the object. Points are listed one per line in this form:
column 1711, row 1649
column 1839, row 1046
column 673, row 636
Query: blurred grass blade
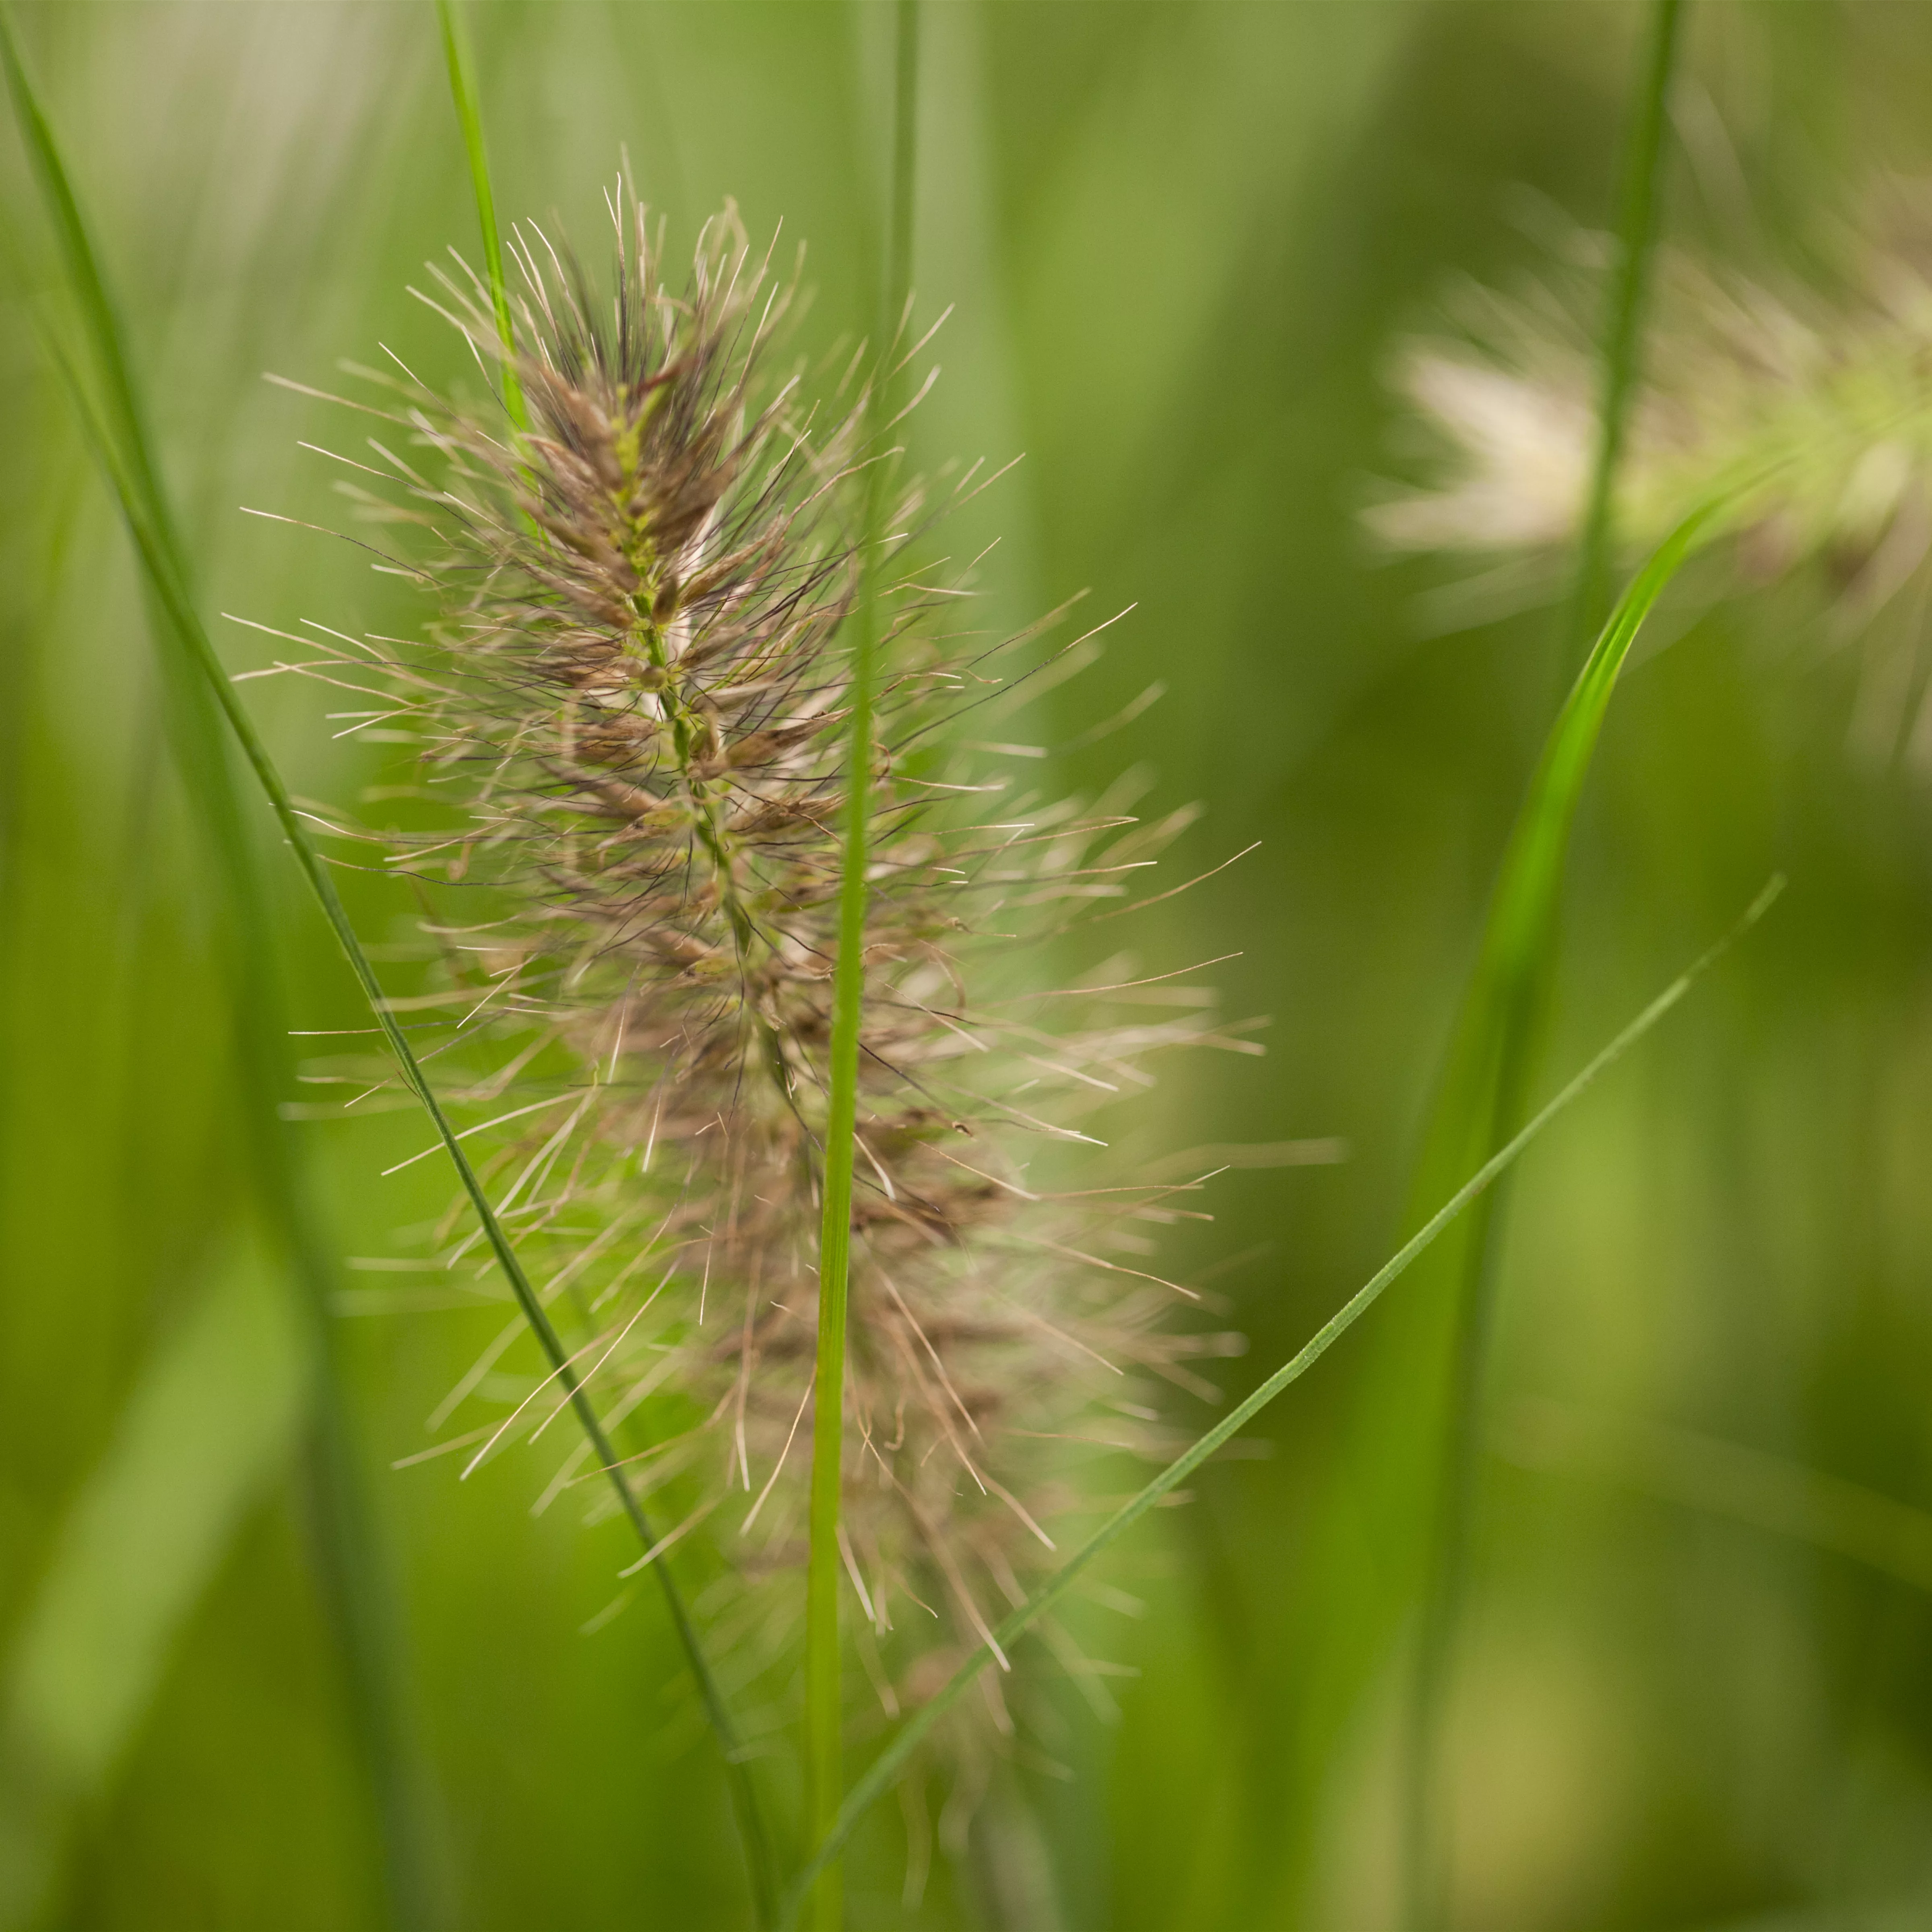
column 1482, row 1096
column 463, row 92
column 1716, row 1477
column 885, row 1767
column 1636, row 250
column 356, row 1589
column 122, row 446
column 824, row 1698
column 211, row 1421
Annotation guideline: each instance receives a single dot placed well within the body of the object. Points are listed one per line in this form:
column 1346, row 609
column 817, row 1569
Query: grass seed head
column 632, row 704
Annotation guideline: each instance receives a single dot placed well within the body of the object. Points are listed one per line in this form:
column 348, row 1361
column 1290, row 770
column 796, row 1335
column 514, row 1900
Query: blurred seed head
column 1814, row 408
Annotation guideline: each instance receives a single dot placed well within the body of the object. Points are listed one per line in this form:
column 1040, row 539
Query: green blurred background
column 1185, row 238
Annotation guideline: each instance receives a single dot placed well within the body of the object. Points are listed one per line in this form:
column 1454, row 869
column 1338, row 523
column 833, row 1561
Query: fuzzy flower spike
column 633, row 705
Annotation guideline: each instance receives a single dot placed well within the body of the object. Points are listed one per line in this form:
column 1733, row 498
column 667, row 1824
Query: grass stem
column 823, row 1678
column 1623, row 334
column 1487, row 1084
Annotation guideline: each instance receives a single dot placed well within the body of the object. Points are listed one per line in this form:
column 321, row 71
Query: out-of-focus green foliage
column 1184, row 240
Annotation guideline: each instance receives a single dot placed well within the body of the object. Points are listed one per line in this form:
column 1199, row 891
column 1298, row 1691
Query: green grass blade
column 823, row 1687
column 357, row 1591
column 1636, row 237
column 131, row 472
column 82, row 264
column 463, row 92
column 881, row 1774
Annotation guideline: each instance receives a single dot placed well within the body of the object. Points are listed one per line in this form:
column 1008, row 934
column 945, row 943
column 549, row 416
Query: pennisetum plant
column 678, row 717
column 632, row 715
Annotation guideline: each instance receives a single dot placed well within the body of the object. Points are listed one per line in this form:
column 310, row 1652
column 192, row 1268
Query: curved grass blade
column 824, row 1700
column 157, row 564
column 885, row 1769
column 121, row 447
column 357, row 1593
column 1483, row 1063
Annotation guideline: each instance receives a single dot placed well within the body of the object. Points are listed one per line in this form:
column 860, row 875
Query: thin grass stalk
column 357, row 1590
column 1623, row 337
column 129, row 468
column 824, row 1698
column 884, row 1770
column 462, row 92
